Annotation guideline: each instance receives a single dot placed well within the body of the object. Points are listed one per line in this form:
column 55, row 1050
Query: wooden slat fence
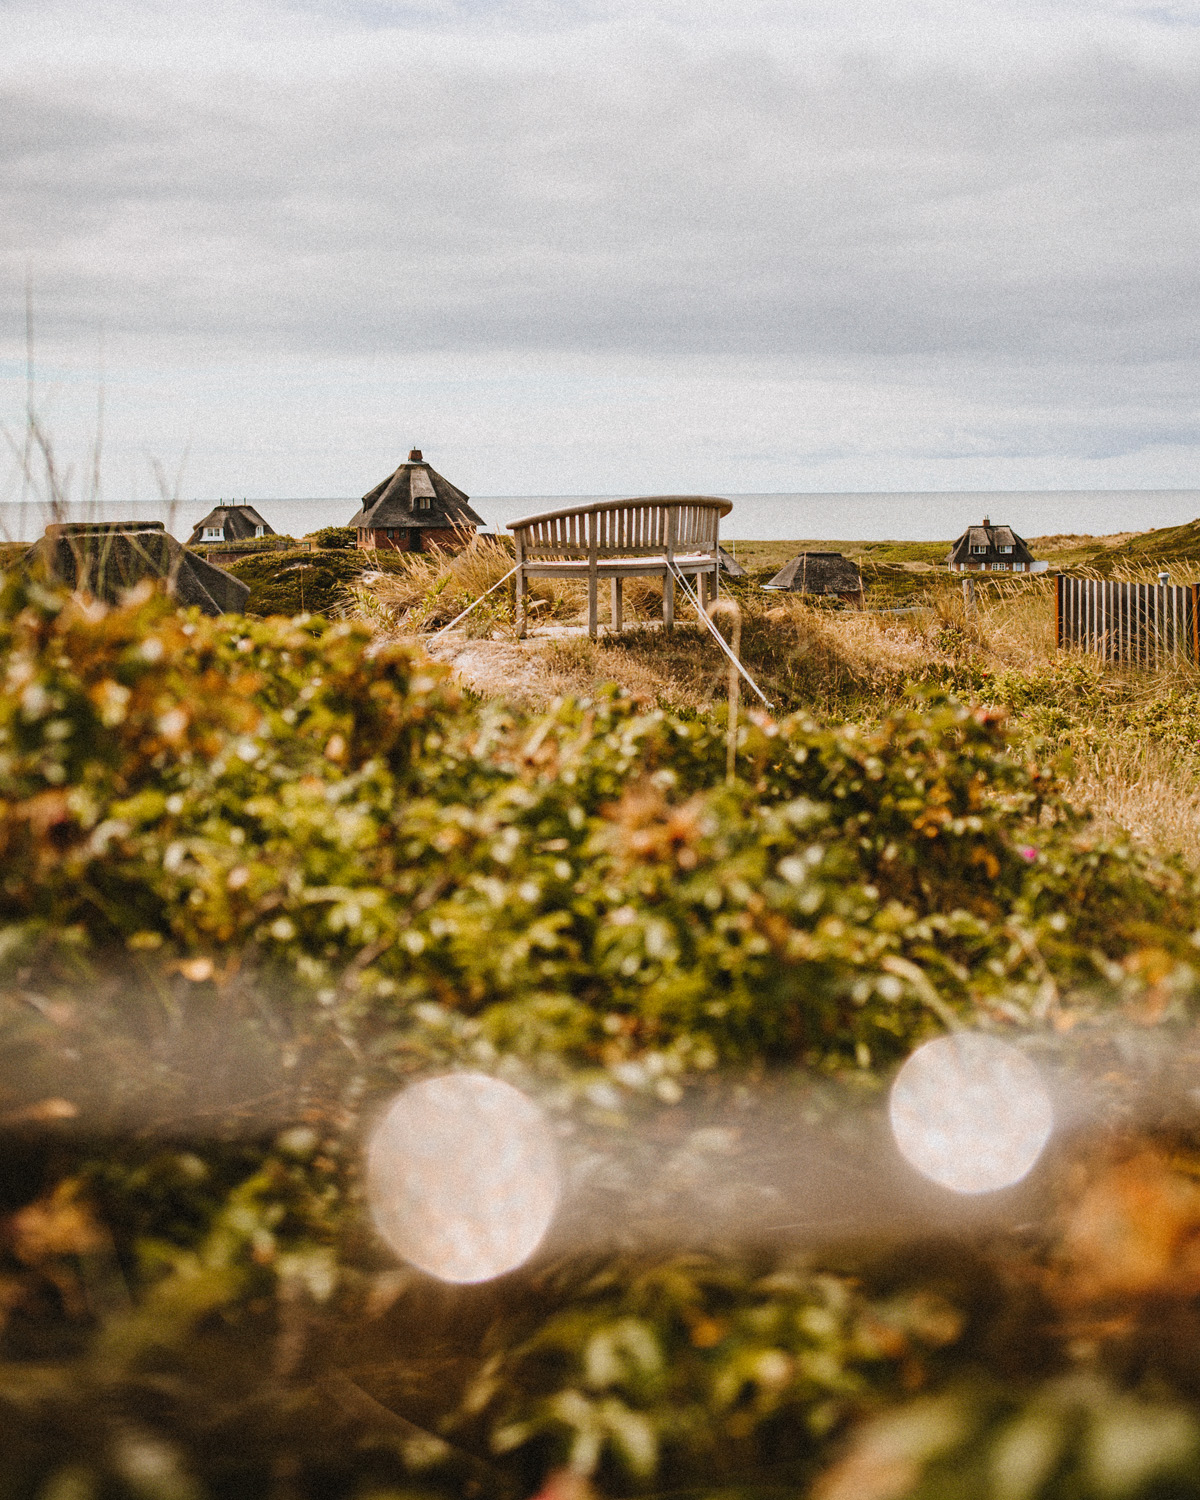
column 1139, row 624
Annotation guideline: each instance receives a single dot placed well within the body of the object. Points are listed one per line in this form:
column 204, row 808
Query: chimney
column 986, row 521
column 414, row 457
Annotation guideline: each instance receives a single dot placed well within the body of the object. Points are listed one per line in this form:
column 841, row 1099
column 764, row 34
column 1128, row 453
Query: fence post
column 1058, row 619
column 1195, row 624
column 969, row 598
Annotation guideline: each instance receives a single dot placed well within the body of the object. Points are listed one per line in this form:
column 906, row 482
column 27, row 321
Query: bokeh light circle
column 970, row 1112
column 462, row 1176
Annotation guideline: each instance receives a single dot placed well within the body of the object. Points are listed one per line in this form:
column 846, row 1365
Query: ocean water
column 904, row 516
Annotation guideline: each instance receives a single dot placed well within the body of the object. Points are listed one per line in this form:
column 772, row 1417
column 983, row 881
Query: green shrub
column 297, row 582
column 256, row 874
column 334, row 537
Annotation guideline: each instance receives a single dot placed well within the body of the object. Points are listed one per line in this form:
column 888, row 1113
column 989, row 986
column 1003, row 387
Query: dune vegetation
column 258, row 874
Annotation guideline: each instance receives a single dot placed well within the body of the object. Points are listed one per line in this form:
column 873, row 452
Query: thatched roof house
column 414, row 508
column 229, row 523
column 730, row 565
column 104, row 558
column 989, row 549
column 820, row 573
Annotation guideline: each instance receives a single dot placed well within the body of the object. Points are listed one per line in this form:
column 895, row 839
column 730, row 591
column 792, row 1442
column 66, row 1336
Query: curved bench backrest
column 653, row 526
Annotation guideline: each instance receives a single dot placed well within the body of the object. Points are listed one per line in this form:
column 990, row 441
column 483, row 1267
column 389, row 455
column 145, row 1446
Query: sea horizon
column 849, row 515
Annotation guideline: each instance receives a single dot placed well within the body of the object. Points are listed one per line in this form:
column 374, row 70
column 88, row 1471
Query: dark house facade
column 820, row 573
column 415, row 509
column 229, row 523
column 990, row 549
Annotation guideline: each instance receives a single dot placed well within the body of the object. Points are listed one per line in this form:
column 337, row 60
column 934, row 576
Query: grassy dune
column 1130, row 740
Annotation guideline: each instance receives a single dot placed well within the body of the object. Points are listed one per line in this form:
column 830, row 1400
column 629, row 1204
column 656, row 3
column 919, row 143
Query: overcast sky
column 605, row 247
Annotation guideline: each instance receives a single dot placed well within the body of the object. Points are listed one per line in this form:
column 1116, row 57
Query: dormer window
column 260, row 531
column 214, row 534
column 422, row 490
column 979, row 549
column 1006, row 549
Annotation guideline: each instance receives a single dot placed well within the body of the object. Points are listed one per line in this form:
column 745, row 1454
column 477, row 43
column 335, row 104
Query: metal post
column 729, row 607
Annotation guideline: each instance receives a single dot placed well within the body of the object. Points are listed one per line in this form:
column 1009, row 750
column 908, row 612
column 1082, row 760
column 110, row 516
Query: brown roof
column 415, row 495
column 991, row 539
column 818, row 573
column 104, row 558
column 236, row 522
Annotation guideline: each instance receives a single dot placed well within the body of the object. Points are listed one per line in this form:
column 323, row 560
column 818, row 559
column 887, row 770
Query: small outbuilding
column 820, row 573
column 730, row 566
column 990, row 549
column 413, row 509
column 229, row 523
column 105, row 558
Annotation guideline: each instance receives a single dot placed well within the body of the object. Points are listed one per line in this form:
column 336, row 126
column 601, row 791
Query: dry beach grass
column 838, row 663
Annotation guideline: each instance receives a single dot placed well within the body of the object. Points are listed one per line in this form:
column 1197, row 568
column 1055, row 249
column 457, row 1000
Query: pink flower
column 1028, row 852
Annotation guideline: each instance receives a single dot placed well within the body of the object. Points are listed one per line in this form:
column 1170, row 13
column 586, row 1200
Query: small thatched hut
column 820, row 573
column 413, row 509
column 730, row 566
column 229, row 523
column 104, row 558
column 990, row 549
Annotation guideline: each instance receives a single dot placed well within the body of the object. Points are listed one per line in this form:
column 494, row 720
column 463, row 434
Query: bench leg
column 520, row 591
column 592, row 609
column 617, row 584
column 668, row 601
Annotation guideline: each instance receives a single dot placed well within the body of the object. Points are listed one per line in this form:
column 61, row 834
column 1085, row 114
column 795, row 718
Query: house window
column 423, row 502
column 979, row 549
column 213, row 534
column 259, row 530
column 1006, row 549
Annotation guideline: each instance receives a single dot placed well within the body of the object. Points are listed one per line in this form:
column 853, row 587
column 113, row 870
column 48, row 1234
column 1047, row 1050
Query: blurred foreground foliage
column 257, row 874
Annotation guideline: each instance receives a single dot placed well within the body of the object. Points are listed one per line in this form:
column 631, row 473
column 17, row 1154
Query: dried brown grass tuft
column 1148, row 790
column 1015, row 622
column 837, row 663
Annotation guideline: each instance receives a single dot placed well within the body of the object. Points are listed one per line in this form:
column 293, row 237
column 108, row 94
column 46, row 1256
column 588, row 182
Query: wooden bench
column 655, row 537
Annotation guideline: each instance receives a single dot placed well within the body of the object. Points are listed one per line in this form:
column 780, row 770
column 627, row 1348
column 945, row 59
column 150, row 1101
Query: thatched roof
column 730, row 565
column 416, row 495
column 982, row 544
column 235, row 522
column 104, row 558
column 818, row 573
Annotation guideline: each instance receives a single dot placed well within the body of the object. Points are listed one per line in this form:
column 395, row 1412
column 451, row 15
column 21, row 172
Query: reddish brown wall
column 370, row 541
column 431, row 536
column 449, row 538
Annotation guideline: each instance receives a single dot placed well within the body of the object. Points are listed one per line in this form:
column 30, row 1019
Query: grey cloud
column 645, row 199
